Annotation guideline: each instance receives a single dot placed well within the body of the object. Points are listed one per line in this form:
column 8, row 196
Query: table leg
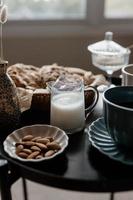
column 24, row 189
column 112, row 196
column 4, row 182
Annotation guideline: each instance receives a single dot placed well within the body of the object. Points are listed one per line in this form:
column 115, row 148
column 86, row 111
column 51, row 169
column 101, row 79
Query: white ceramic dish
column 35, row 130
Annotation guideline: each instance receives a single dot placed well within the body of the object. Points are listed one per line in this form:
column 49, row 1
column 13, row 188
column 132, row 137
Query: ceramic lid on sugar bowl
column 107, row 46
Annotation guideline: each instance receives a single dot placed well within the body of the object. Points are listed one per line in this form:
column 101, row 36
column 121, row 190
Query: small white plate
column 35, row 130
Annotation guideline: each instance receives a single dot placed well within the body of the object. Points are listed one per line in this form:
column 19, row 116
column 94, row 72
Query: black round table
column 81, row 167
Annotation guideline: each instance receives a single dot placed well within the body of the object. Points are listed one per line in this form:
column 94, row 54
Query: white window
column 69, row 9
column 118, row 9
column 74, row 17
column 46, row 9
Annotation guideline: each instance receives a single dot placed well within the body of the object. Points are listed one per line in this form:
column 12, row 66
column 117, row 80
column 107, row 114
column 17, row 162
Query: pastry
column 35, row 80
column 25, row 76
column 52, row 72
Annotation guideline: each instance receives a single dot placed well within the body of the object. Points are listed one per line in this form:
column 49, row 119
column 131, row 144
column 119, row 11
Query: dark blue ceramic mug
column 118, row 114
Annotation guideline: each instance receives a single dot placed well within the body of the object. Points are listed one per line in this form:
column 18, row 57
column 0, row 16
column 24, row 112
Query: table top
column 81, row 167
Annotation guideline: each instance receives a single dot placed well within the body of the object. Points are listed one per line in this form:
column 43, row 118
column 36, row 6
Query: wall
column 67, row 51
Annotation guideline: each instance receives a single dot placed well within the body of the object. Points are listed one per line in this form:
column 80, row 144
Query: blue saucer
column 101, row 140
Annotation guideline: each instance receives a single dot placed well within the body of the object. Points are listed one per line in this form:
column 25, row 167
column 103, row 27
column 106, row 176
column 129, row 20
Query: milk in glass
column 67, row 111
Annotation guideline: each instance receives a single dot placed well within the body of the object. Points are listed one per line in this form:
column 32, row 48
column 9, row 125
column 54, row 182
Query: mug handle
column 90, row 108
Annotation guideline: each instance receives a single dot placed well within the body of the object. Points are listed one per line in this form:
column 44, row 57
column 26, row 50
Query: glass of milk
column 67, row 104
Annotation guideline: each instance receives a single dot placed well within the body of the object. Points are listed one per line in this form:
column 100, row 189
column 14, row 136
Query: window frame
column 93, row 24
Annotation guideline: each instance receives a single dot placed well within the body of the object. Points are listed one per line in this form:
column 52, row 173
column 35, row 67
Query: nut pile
column 31, row 147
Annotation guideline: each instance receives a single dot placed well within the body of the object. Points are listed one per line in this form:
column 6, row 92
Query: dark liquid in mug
column 126, row 104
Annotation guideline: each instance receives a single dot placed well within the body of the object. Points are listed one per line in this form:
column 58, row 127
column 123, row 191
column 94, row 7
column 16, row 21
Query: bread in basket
column 31, row 83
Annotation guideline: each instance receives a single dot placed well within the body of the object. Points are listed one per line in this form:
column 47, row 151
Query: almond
column 50, row 139
column 49, row 153
column 28, row 143
column 23, row 155
column 36, row 138
column 27, row 138
column 53, row 146
column 19, row 143
column 28, row 151
column 43, row 140
column 35, row 148
column 19, row 148
column 39, row 157
column 41, row 146
column 33, row 155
